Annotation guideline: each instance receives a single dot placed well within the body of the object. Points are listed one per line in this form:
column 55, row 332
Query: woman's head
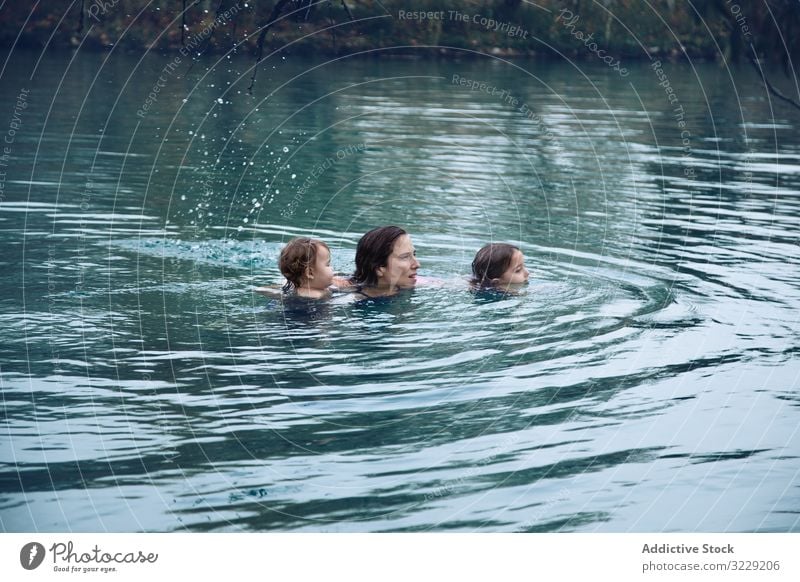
column 499, row 264
column 386, row 257
column 306, row 262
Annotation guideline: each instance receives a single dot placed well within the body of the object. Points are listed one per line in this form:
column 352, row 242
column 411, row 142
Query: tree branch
column 333, row 22
column 273, row 17
column 183, row 25
column 770, row 87
column 207, row 41
column 80, row 22
column 349, row 14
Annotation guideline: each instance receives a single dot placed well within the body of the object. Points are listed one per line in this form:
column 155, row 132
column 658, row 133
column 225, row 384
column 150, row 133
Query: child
column 499, row 265
column 306, row 264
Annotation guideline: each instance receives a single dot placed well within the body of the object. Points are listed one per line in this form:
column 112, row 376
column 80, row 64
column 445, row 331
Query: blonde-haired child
column 306, row 264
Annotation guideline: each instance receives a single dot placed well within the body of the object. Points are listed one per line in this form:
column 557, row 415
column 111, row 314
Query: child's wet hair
column 297, row 257
column 491, row 262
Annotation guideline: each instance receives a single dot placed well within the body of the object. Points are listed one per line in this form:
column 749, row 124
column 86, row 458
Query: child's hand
column 342, row 283
column 269, row 291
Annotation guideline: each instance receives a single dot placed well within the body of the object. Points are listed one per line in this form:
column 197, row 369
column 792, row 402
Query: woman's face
column 516, row 274
column 321, row 275
column 401, row 266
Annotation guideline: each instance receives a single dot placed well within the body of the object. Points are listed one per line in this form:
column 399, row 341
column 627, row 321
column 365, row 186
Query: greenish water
column 646, row 380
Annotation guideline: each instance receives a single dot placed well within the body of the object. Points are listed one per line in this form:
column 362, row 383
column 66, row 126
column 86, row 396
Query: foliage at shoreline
column 711, row 29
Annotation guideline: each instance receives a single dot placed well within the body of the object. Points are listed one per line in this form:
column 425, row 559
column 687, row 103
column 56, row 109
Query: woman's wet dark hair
column 373, row 251
column 491, row 262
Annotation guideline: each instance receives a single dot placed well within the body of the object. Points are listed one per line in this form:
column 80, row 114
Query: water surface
column 645, row 380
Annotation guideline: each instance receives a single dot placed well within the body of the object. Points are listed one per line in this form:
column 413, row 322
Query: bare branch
column 333, row 22
column 349, row 14
column 80, row 22
column 273, row 17
column 183, row 25
column 207, row 41
column 770, row 87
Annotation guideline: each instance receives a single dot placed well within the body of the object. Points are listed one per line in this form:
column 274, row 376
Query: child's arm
column 342, row 283
column 269, row 290
column 432, row 282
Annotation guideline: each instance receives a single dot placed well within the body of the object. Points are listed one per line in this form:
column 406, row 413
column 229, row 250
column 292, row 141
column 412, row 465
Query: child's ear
column 380, row 271
column 309, row 273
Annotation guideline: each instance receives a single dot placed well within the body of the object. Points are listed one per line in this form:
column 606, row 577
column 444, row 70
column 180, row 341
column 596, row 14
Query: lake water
column 645, row 380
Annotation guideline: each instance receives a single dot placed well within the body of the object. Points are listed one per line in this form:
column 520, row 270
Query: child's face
column 401, row 266
column 516, row 274
column 321, row 274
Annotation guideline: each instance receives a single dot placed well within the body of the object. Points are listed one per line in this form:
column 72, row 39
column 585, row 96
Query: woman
column 385, row 262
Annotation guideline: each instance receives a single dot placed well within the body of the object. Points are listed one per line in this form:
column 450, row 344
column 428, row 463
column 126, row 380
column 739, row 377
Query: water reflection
column 146, row 387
